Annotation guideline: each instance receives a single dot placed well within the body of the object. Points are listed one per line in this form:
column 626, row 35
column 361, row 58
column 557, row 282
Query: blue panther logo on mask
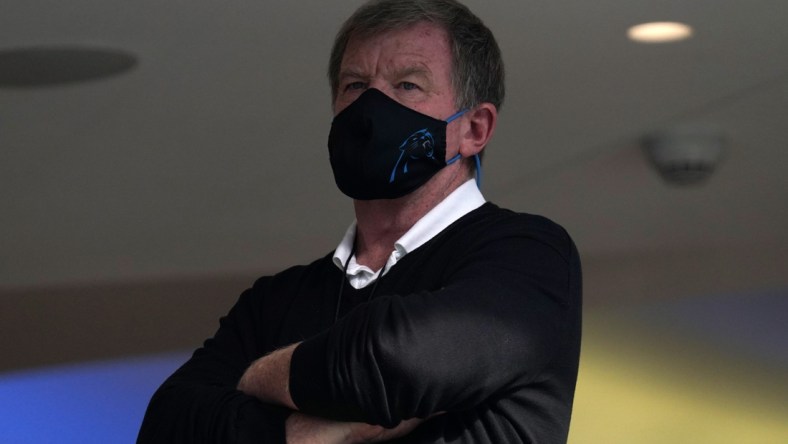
column 417, row 146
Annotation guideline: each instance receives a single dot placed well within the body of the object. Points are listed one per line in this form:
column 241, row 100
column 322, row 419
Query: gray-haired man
column 439, row 317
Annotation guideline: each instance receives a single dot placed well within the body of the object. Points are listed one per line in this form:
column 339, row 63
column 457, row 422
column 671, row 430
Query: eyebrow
column 349, row 73
column 413, row 70
column 409, row 70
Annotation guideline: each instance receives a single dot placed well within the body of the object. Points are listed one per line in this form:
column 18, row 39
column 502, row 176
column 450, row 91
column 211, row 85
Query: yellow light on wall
column 646, row 387
column 659, row 32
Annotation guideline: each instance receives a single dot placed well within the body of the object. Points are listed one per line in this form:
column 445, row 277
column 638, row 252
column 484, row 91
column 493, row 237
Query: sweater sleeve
column 498, row 320
column 199, row 402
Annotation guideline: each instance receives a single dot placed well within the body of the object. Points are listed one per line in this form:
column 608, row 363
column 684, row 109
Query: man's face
column 412, row 66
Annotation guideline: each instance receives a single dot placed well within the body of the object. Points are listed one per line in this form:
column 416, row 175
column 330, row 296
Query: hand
column 305, row 429
column 363, row 433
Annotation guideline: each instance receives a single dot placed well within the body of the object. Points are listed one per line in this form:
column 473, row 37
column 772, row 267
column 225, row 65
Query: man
column 439, row 317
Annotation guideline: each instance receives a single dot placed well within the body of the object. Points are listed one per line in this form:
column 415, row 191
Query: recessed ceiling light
column 47, row 66
column 659, row 32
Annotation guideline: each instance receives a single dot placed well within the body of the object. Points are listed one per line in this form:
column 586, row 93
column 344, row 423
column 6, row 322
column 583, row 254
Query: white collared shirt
column 460, row 202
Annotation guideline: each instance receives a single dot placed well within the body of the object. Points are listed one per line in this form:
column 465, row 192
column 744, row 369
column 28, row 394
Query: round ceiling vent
column 48, row 66
column 687, row 154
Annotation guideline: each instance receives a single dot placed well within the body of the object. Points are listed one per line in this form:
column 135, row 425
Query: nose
column 375, row 83
column 384, row 87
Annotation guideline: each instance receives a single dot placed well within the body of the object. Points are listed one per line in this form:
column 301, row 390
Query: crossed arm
column 399, row 358
column 268, row 379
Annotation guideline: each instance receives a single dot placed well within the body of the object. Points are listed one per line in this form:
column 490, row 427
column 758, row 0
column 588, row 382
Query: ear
column 478, row 128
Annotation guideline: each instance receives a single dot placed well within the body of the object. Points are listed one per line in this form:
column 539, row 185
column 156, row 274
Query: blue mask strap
column 478, row 170
column 478, row 161
column 454, row 159
column 455, row 115
column 458, row 156
column 448, row 121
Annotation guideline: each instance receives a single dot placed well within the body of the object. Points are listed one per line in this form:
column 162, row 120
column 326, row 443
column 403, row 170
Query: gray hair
column 477, row 67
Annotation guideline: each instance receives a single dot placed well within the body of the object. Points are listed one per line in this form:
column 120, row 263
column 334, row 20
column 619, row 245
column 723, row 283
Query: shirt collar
column 460, row 202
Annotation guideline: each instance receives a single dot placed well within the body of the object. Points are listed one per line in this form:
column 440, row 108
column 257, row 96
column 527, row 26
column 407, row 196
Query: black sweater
column 482, row 322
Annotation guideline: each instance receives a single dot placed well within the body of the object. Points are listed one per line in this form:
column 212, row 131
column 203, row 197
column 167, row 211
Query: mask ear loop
column 478, row 167
column 456, row 115
column 478, row 170
column 476, row 157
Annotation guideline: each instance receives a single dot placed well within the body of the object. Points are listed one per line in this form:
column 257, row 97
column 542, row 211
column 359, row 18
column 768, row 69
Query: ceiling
column 210, row 156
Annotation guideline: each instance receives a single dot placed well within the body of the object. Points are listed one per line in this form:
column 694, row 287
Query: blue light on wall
column 86, row 403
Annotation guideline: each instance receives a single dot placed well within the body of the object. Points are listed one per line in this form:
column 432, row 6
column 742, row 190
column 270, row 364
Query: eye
column 354, row 86
column 408, row 86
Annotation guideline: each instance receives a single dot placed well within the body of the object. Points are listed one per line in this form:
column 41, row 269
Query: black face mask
column 380, row 149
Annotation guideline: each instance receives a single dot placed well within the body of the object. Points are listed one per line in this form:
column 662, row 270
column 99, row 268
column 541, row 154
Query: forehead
column 422, row 43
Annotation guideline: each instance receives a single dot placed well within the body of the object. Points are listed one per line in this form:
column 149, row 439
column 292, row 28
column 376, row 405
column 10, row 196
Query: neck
column 380, row 223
